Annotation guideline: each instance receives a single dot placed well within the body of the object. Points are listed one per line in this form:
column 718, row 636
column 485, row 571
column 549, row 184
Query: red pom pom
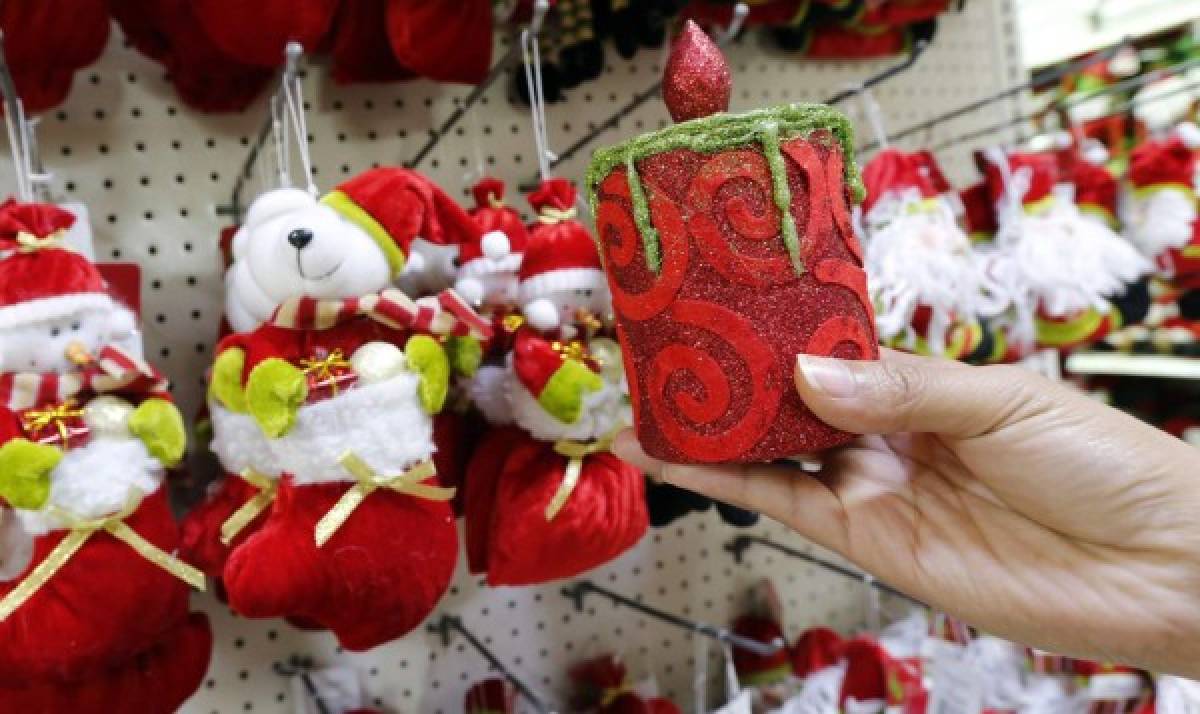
column 696, row 82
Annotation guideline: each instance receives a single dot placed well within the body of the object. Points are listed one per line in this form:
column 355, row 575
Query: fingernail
column 830, row 376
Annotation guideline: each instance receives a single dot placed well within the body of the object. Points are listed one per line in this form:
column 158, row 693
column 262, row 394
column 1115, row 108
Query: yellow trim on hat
column 354, row 213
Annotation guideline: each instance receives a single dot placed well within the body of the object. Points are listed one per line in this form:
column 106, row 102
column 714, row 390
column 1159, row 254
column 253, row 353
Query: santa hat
column 1095, row 191
column 561, row 254
column 757, row 669
column 503, row 235
column 818, row 648
column 979, row 213
column 491, row 696
column 893, row 173
column 866, row 680
column 1162, row 163
column 39, row 280
column 1033, row 176
column 396, row 206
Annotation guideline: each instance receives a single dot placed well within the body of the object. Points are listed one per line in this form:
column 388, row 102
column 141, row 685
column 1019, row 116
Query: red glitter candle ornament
column 729, row 250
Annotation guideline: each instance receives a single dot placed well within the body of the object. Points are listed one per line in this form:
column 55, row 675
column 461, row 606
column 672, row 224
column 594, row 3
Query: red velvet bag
column 855, row 42
column 106, row 604
column 256, row 33
column 44, row 51
column 200, row 530
column 604, row 515
column 360, row 48
column 443, row 40
column 377, row 578
column 157, row 681
column 479, row 500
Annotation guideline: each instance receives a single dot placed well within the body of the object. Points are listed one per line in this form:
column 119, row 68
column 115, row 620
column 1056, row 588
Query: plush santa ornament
column 88, row 581
column 491, row 696
column 1160, row 210
column 561, row 503
column 1062, row 271
column 602, row 685
column 874, row 683
column 926, row 282
column 326, row 410
column 760, row 670
column 817, row 649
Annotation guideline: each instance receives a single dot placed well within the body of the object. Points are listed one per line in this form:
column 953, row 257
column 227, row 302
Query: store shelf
column 1126, row 365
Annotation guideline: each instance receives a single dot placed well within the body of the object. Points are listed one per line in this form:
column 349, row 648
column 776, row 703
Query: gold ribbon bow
column 611, row 694
column 244, row 516
column 56, row 416
column 81, row 531
column 575, row 452
column 574, row 349
column 408, row 482
column 29, row 243
column 494, row 201
column 550, row 215
column 513, row 322
column 323, row 367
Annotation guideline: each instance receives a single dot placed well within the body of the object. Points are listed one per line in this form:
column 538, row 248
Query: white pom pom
column 108, row 416
column 121, row 323
column 377, row 362
column 542, row 314
column 470, row 290
column 1189, row 134
column 276, row 203
column 1095, row 152
column 415, row 264
column 495, row 245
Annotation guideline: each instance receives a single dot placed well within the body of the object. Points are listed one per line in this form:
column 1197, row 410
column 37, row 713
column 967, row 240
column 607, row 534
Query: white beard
column 1161, row 221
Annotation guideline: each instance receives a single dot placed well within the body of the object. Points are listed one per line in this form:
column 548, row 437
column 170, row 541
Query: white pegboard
column 152, row 172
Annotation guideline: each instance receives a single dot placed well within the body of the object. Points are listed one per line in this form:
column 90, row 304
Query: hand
column 1015, row 503
column 275, row 391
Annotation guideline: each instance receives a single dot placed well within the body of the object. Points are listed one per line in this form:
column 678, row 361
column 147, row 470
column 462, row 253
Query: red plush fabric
column 105, row 605
column 604, row 516
column 200, row 531
column 1162, row 162
column 902, row 12
column 838, row 42
column 1095, row 188
column 1042, row 170
column 894, row 171
column 710, row 341
column 377, row 578
column 979, row 216
column 817, row 648
column 156, row 681
column 443, row 40
column 454, row 437
column 360, row 48
column 482, row 478
column 495, row 216
column 256, row 33
column 407, row 204
column 767, row 13
column 751, row 666
column 43, row 51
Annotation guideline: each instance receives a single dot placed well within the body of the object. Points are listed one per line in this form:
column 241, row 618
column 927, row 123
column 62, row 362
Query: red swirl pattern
column 703, row 204
column 622, row 245
column 757, row 413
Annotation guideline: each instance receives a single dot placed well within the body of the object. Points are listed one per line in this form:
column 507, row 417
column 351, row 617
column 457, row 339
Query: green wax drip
column 720, row 132
column 782, row 194
column 641, row 216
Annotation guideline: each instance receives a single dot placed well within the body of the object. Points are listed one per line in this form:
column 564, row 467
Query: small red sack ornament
column 444, row 40
column 257, row 33
column 360, row 48
column 724, row 264
column 44, row 52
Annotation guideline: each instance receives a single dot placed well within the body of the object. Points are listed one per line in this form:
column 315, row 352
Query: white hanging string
column 279, row 142
column 874, row 116
column 294, row 99
column 532, row 58
column 13, row 117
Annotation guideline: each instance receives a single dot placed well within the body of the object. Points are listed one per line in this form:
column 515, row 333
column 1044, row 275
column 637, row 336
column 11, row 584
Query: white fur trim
column 542, row 314
column 495, row 244
column 49, row 308
column 509, row 263
column 16, row 546
column 239, row 442
column 383, row 424
column 96, row 480
column 543, row 284
column 1161, row 220
column 604, row 411
column 865, row 706
column 488, row 391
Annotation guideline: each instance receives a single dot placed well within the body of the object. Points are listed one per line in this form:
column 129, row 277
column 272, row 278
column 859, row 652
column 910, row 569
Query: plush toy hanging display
column 325, row 409
column 90, row 590
column 928, row 285
column 548, row 500
column 602, row 685
column 729, row 250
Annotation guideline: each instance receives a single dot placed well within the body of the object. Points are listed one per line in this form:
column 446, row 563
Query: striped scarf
column 114, row 370
column 445, row 314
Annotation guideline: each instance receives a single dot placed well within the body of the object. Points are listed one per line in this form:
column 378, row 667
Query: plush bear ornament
column 326, row 410
column 87, row 432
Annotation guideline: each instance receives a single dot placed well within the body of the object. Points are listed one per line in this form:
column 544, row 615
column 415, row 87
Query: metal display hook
column 1045, row 77
column 32, row 181
column 271, row 125
column 509, row 58
column 577, row 591
column 738, row 546
column 449, row 624
column 300, row 666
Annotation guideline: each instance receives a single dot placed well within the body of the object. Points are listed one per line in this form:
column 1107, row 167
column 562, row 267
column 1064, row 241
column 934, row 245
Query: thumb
column 903, row 392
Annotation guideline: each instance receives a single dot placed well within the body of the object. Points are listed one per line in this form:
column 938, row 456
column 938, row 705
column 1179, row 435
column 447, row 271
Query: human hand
column 1013, row 502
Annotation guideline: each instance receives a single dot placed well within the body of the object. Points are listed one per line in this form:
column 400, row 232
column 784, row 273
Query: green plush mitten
column 159, row 425
column 427, row 358
column 566, row 388
column 25, row 473
column 465, row 355
column 274, row 393
column 226, row 383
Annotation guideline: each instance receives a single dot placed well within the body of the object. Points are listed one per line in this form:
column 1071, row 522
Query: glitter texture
column 696, row 81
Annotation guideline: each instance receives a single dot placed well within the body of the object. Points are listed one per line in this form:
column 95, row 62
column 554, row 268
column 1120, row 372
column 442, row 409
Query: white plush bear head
column 60, row 343
column 292, row 245
column 430, row 269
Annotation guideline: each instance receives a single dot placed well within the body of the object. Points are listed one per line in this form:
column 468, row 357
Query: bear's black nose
column 300, row 238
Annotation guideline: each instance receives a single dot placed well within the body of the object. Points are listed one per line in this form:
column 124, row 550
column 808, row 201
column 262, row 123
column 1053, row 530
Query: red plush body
column 604, row 516
column 157, row 681
column 710, row 342
column 200, row 532
column 444, row 40
column 378, row 577
column 105, row 605
column 483, row 476
column 256, row 33
column 360, row 48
